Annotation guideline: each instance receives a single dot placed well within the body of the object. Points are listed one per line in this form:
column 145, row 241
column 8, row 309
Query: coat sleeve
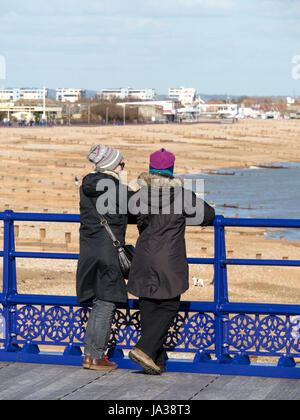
column 197, row 211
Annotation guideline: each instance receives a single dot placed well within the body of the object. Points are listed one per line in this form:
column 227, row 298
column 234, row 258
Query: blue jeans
column 99, row 328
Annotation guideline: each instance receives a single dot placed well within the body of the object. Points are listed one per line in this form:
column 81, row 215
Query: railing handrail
column 219, row 220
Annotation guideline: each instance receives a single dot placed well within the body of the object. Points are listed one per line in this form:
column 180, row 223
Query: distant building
column 154, row 110
column 248, row 112
column 290, row 101
column 70, row 95
column 184, row 95
column 209, row 110
column 27, row 112
column 128, row 93
column 17, row 94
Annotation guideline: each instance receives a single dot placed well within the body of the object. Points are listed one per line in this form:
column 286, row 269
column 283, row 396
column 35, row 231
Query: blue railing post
column 9, row 282
column 221, row 292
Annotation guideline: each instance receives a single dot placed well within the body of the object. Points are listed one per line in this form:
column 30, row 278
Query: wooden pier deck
column 20, row 381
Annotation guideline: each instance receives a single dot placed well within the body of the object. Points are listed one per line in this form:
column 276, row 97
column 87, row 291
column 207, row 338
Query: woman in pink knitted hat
column 159, row 271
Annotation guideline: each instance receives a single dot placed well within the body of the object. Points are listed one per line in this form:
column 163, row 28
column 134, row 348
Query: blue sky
column 218, row 46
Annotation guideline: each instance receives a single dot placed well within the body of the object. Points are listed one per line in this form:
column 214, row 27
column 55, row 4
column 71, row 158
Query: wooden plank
column 140, row 386
column 186, row 386
column 20, row 381
column 48, row 382
column 9, row 374
column 3, row 364
column 135, row 385
column 238, row 388
column 107, row 385
column 285, row 389
column 65, row 386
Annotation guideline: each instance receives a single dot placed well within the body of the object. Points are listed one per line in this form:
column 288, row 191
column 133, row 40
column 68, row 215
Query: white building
column 184, row 95
column 168, row 107
column 26, row 112
column 290, row 101
column 247, row 112
column 128, row 93
column 17, row 94
column 228, row 110
column 69, row 95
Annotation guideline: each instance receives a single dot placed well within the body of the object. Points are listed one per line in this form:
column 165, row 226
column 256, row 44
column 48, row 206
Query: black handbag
column 125, row 252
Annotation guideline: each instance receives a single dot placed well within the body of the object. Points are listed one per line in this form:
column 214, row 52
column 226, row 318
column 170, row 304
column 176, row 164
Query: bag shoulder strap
column 104, row 223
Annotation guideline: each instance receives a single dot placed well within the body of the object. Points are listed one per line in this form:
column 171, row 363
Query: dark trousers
column 157, row 317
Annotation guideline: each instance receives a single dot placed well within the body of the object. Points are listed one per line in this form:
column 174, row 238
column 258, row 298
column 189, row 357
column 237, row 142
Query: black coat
column 98, row 271
column 159, row 269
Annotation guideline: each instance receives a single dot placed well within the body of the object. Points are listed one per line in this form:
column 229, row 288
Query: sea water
column 256, row 192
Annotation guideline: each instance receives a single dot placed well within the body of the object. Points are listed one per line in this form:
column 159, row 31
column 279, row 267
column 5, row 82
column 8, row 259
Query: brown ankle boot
column 102, row 364
column 87, row 362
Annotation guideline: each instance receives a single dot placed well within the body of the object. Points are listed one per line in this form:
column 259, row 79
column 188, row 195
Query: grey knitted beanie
column 104, row 157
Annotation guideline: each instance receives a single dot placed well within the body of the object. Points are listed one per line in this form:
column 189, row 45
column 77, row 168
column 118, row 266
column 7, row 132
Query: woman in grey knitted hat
column 99, row 277
column 105, row 158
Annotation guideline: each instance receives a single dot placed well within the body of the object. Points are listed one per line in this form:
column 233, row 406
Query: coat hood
column 147, row 179
column 158, row 191
column 90, row 181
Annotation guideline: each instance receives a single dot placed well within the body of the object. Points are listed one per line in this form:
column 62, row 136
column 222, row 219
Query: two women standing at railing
column 159, row 272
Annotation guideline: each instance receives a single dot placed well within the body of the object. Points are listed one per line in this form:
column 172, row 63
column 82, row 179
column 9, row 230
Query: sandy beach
column 37, row 171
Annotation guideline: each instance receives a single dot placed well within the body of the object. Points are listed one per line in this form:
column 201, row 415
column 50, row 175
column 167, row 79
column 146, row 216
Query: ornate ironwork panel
column 266, row 335
column 59, row 325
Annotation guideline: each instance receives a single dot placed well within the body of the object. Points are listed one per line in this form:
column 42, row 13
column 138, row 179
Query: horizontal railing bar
column 41, row 217
column 43, row 300
column 191, row 306
column 274, row 223
column 48, row 255
column 291, row 263
column 19, row 299
column 201, row 260
column 219, row 220
column 260, row 308
column 64, row 256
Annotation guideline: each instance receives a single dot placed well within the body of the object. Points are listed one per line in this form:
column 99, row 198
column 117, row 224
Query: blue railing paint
column 221, row 335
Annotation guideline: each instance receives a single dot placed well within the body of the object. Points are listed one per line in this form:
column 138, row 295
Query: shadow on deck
column 20, row 381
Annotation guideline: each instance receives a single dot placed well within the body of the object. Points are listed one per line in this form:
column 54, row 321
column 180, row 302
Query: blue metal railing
column 220, row 336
